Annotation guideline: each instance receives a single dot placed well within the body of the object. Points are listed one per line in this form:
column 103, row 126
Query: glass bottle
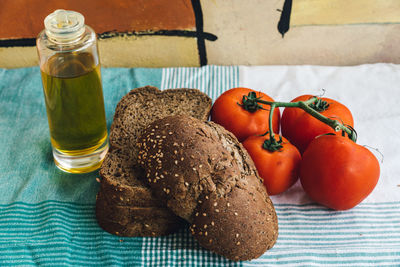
column 70, row 69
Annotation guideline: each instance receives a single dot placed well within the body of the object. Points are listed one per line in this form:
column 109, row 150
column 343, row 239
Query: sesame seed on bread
column 142, row 106
column 204, row 175
column 121, row 186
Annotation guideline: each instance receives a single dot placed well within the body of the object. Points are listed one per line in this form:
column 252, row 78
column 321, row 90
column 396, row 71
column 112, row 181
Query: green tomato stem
column 271, row 115
column 305, row 105
column 272, row 144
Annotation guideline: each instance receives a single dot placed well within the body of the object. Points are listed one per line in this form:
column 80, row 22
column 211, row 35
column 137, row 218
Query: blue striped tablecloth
column 47, row 216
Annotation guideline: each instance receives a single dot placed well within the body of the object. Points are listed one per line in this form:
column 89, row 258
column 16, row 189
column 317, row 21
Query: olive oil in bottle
column 75, row 107
column 73, row 92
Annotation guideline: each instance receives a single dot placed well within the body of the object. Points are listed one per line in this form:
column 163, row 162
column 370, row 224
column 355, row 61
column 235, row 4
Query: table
column 47, row 216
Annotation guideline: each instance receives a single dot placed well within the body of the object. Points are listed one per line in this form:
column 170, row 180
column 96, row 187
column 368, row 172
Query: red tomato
column 301, row 128
column 338, row 173
column 278, row 169
column 236, row 119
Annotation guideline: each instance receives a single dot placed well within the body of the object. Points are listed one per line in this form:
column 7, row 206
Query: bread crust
column 206, row 177
column 142, row 106
column 135, row 221
column 121, row 179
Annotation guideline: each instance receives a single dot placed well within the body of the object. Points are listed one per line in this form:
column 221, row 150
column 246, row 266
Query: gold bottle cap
column 64, row 26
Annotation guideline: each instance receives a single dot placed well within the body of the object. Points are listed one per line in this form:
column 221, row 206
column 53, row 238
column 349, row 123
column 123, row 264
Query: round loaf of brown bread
column 206, row 177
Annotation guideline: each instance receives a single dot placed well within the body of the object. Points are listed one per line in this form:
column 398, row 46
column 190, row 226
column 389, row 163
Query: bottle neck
column 64, row 27
column 66, row 39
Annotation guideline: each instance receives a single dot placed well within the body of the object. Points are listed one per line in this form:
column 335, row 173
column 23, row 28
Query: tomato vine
column 251, row 103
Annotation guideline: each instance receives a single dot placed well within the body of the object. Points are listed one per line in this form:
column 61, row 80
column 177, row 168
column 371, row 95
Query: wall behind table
column 160, row 33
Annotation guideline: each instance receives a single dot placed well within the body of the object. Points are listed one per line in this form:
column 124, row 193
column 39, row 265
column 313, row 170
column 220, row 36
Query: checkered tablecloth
column 47, row 216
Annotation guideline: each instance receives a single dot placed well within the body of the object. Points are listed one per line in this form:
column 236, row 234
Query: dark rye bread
column 120, row 175
column 129, row 208
column 122, row 183
column 206, row 177
column 135, row 221
column 122, row 188
column 142, row 106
